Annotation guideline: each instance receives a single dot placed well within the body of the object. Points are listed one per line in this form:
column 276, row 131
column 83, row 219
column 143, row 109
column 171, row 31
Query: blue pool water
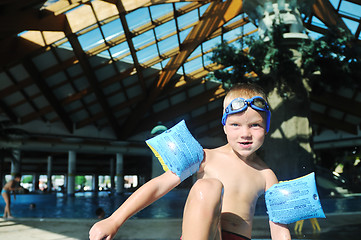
column 84, row 205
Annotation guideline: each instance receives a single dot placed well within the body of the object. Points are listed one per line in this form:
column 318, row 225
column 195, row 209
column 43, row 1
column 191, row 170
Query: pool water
column 84, row 205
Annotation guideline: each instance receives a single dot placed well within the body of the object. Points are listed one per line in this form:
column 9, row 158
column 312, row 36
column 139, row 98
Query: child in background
column 9, row 187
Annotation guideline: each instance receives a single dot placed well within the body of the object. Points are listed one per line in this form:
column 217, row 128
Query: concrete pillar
column 112, row 174
column 35, row 182
column 64, row 190
column 287, row 147
column 50, row 168
column 71, row 172
column 100, row 179
column 16, row 162
column 95, row 182
column 119, row 173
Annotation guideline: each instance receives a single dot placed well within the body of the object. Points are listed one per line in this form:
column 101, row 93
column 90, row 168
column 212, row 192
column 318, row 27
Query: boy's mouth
column 246, row 144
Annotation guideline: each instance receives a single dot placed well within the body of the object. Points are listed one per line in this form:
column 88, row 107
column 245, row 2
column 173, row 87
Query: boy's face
column 245, row 131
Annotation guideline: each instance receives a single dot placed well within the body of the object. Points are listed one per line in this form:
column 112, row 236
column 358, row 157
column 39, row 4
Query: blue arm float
column 177, row 150
column 294, row 200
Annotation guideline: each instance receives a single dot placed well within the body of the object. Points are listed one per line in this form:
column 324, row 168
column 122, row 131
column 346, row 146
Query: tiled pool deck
column 335, row 226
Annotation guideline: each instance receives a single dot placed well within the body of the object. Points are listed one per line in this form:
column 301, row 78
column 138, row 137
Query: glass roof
column 128, row 52
column 156, row 32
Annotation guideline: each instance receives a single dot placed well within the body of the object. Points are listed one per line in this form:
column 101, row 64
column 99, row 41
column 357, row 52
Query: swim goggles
column 240, row 104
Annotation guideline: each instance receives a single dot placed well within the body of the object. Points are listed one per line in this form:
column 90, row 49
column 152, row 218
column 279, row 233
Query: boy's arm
column 144, row 196
column 278, row 231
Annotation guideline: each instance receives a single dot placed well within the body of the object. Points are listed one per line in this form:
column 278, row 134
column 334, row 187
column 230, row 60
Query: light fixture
column 264, row 13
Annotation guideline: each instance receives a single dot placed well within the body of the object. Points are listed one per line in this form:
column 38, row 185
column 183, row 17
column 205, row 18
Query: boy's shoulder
column 217, row 150
column 212, row 153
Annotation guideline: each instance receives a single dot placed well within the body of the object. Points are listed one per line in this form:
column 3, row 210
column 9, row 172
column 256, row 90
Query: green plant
column 332, row 61
column 324, row 62
column 27, row 179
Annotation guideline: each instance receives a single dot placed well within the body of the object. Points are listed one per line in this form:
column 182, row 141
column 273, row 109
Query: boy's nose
column 244, row 132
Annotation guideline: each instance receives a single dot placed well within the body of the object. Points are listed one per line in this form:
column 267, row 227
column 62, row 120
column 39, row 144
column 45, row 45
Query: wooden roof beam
column 93, row 82
column 129, row 37
column 130, row 5
column 32, row 19
column 11, row 115
column 327, row 14
column 47, row 93
column 340, row 103
column 13, row 49
column 355, row 1
column 11, row 6
column 26, row 96
column 182, row 108
column 77, row 96
column 217, row 14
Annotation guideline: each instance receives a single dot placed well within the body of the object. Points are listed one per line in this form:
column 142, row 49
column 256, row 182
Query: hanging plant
column 329, row 62
column 332, row 61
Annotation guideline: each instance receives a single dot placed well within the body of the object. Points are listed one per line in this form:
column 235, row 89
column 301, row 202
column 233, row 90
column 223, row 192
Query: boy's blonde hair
column 245, row 90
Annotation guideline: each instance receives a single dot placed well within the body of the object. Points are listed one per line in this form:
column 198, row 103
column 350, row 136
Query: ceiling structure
column 97, row 76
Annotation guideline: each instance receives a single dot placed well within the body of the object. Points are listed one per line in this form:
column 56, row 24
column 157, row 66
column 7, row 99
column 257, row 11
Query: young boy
column 5, row 192
column 221, row 204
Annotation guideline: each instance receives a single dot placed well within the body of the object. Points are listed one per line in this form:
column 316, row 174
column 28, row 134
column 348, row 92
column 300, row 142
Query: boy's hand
column 105, row 229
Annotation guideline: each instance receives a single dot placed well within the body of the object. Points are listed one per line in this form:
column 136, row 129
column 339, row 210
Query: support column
column 16, row 162
column 119, row 173
column 50, row 168
column 95, row 183
column 71, row 172
column 112, row 175
column 35, row 182
column 101, row 180
column 63, row 189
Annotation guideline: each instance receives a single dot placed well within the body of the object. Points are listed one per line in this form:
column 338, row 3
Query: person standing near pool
column 9, row 187
column 231, row 178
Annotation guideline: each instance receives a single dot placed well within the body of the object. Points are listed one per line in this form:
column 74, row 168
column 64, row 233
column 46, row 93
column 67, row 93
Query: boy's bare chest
column 237, row 177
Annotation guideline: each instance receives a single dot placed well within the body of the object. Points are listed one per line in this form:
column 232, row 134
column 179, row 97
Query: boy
column 5, row 192
column 221, row 204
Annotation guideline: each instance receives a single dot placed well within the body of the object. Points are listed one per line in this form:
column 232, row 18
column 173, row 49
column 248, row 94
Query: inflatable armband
column 177, row 150
column 294, row 200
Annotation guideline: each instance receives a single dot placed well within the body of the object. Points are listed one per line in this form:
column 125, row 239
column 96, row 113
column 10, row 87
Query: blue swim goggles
column 240, row 104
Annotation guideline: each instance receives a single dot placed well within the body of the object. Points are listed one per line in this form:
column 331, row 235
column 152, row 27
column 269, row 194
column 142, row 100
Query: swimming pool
column 84, row 205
